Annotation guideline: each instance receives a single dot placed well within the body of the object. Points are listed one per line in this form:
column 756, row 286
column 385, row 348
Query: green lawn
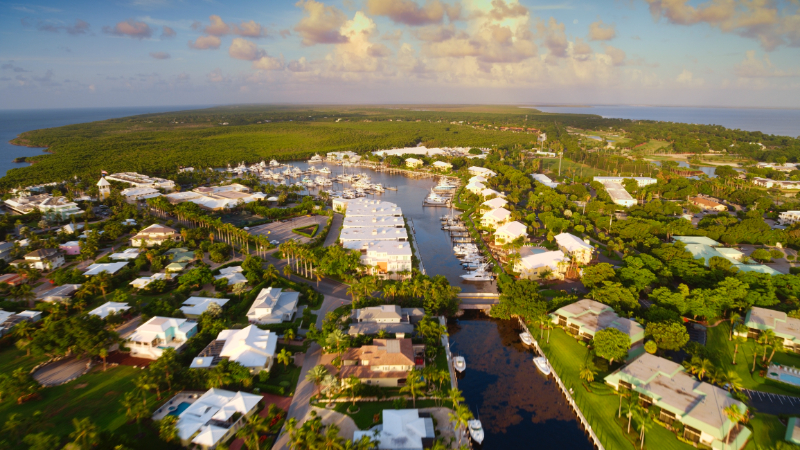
column 651, row 146
column 281, row 376
column 721, row 352
column 599, row 406
column 767, row 431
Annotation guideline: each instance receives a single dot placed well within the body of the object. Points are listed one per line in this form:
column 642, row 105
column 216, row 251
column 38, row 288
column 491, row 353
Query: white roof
column 497, row 202
column 70, row 244
column 442, row 164
column 482, row 171
column 198, row 305
column 198, row 415
column 413, row 160
column 109, row 308
column 376, row 234
column 375, row 221
column 513, row 229
column 103, row 182
column 571, row 242
column 232, row 269
column 250, row 347
column 233, row 278
column 498, row 214
column 111, row 268
column 140, row 192
column 158, row 325
column 402, row 429
column 477, row 179
column 390, row 248
column 536, row 260
column 487, row 192
column 144, row 281
column 128, row 253
column 29, row 314
column 4, row 315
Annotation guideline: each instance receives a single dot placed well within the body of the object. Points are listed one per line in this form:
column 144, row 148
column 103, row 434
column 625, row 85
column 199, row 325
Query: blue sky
column 174, row 52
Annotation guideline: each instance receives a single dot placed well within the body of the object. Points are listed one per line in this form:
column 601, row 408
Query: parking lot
column 281, row 231
column 773, row 403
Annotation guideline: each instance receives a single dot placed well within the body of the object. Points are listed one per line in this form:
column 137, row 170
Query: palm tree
column 588, row 371
column 103, row 354
column 337, row 341
column 461, row 417
column 251, row 428
column 332, row 440
column 734, row 381
column 734, row 318
column 103, row 282
column 739, row 338
column 289, row 335
column 777, row 345
column 736, row 416
column 134, row 409
column 413, row 385
column 287, row 272
column 316, row 375
column 284, row 357
column 24, row 292
column 766, row 338
column 455, row 396
column 24, row 331
column 270, row 273
column 85, row 434
column 643, row 415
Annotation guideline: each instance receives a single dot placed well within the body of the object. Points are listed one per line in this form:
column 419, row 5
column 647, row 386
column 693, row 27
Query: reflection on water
column 518, row 407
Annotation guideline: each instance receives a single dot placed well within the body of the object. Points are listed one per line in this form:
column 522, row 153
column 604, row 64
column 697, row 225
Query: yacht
column 315, row 159
column 444, row 185
column 526, row 338
column 325, row 170
column 459, row 363
column 542, row 364
column 479, row 274
column 378, row 188
column 274, row 163
column 475, row 430
column 434, row 199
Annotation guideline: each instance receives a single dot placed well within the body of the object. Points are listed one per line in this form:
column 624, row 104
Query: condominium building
column 413, row 163
column 641, row 181
column 388, row 258
column 497, row 202
column 761, row 319
column 496, row 217
column 442, row 166
column 585, row 318
column 59, row 208
column 373, row 234
column 139, row 180
column 373, row 222
column 789, row 218
column 481, row 171
column 510, row 232
column 536, row 262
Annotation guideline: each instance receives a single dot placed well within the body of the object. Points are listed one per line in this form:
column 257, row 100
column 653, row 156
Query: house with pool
column 158, row 334
column 695, row 409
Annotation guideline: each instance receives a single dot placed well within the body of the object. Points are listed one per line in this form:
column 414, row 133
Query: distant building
column 110, row 268
column 142, row 181
column 5, row 251
column 707, row 205
column 789, row 218
column 388, row 258
column 59, row 294
column 139, row 193
column 71, row 248
column 618, row 193
column 544, row 179
column 373, row 222
column 104, row 188
column 481, row 171
column 44, row 259
column 759, row 319
column 194, row 307
column 9, row 320
column 495, row 218
column 442, row 166
column 154, row 235
column 109, row 308
column 414, row 163
column 585, row 318
column 573, row 246
column 59, row 208
column 510, row 232
column 159, row 333
column 641, row 181
column 251, row 347
column 273, row 306
column 476, row 187
column 497, row 202
column 534, row 263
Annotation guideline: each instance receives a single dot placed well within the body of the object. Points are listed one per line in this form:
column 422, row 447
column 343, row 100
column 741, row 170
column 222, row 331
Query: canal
column 518, row 407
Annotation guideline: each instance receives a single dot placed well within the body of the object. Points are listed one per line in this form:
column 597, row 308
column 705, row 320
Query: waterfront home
column 142, row 181
column 273, row 306
column 388, row 258
column 618, row 193
column 127, row 254
column 71, row 248
column 510, row 232
column 585, row 318
column 373, row 234
column 575, row 247
column 233, row 274
column 544, row 179
column 496, row 217
column 497, row 202
column 153, row 235
column 401, row 429
column 489, row 193
column 373, row 222
column 442, row 166
column 706, row 204
column 111, row 268
column 58, row 208
column 109, row 308
column 193, row 307
column 481, row 171
column 58, row 294
column 9, row 320
column 389, row 318
column 535, row 263
column 143, row 282
column 641, row 181
column 25, row 204
column 385, row 363
column 365, row 208
column 159, row 333
column 5, row 251
column 787, row 218
column 251, row 347
column 139, row 193
column 785, row 327
column 413, row 163
column 681, row 398
column 44, row 259
column 476, row 187
column 211, row 419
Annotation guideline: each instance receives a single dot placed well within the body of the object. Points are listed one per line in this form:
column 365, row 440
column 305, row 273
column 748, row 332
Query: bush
column 399, row 403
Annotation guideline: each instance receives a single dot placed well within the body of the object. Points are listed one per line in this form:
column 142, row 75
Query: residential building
column 139, row 193
column 641, row 181
column 143, row 282
column 339, row 156
column 779, row 184
column 71, row 248
column 536, row 262
column 510, row 232
column 705, row 248
column 585, row 318
column 213, row 418
column 481, row 171
column 127, row 254
column 9, row 320
column 389, row 318
column 707, row 205
column 109, row 308
column 110, row 268
column 789, row 218
column 159, row 333
column 138, row 180
column 699, row 406
column 496, row 217
column 618, row 193
column 45, row 259
column 388, row 258
column 24, row 203
column 384, row 363
column 442, row 166
column 217, row 198
column 401, row 429
column 497, row 202
column 59, row 294
column 5, row 251
column 58, row 209
column 413, row 163
column 13, row 279
column 575, row 247
column 476, row 187
column 373, row 234
column 273, row 306
column 154, row 235
column 477, row 179
column 544, row 179
column 373, row 222
column 760, row 319
column 233, row 274
column 251, row 347
column 194, row 307
column 489, row 193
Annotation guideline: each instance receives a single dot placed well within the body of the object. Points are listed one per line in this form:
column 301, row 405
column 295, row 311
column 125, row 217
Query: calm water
column 434, row 244
column 519, row 408
column 782, row 122
column 13, row 123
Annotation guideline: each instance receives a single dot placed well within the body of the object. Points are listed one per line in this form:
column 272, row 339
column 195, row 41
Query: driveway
column 336, row 227
column 300, row 407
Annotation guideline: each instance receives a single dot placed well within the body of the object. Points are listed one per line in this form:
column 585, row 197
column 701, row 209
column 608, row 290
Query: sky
column 59, row 54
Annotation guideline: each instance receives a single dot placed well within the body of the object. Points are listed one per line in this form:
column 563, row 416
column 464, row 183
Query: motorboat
column 435, row 199
column 325, row 170
column 542, row 364
column 274, row 163
column 479, row 274
column 475, row 430
column 459, row 363
column 526, row 338
column 378, row 188
column 444, row 185
column 315, row 159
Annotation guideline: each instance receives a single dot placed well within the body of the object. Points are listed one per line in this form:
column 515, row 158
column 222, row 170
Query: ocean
column 15, row 122
column 781, row 122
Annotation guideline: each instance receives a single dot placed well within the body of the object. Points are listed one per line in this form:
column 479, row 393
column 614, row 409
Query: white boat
column 444, row 185
column 479, row 274
column 475, row 430
column 435, row 199
column 315, row 159
column 324, row 170
column 274, row 163
column 542, row 364
column 378, row 188
column 526, row 338
column 459, row 363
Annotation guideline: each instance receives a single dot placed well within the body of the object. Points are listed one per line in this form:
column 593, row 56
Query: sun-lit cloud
column 599, row 33
column 160, row 55
column 245, row 50
column 130, row 28
column 167, row 32
column 555, row 39
column 267, row 62
column 218, row 27
column 206, row 43
column 581, row 50
column 617, row 55
column 320, row 23
column 752, row 67
column 410, row 13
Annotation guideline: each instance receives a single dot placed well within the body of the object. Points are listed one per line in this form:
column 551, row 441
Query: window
column 753, row 333
column 645, row 401
column 562, row 320
column 691, row 434
column 625, row 385
column 667, row 417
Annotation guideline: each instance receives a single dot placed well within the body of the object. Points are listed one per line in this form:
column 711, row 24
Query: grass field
column 571, row 168
column 651, row 146
column 768, row 431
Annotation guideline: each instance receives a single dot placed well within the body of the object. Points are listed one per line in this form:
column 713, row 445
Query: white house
column 414, row 163
column 59, row 208
column 641, row 181
column 127, row 254
column 532, row 265
column 789, row 217
column 476, row 187
column 214, row 417
column 402, row 429
column 388, row 256
column 482, row 171
column 59, row 294
column 575, row 247
column 251, row 347
column 233, row 274
column 159, row 333
column 618, row 193
column 194, row 307
column 495, row 218
column 486, row 193
column 45, row 259
column 111, row 268
column 510, row 232
column 477, row 179
column 497, row 202
column 109, row 308
column 442, row 166
column 143, row 282
column 139, row 193
column 544, row 179
column 273, row 306
column 154, row 235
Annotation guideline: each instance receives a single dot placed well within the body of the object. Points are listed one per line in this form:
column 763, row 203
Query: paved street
column 336, row 227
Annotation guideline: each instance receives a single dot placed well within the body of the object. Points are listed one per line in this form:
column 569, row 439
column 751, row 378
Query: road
column 333, row 232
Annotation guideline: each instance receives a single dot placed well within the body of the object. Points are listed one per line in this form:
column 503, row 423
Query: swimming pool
column 179, row 409
column 791, row 379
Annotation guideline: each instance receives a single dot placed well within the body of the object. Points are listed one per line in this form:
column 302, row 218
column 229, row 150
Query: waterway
column 434, row 246
column 519, row 407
